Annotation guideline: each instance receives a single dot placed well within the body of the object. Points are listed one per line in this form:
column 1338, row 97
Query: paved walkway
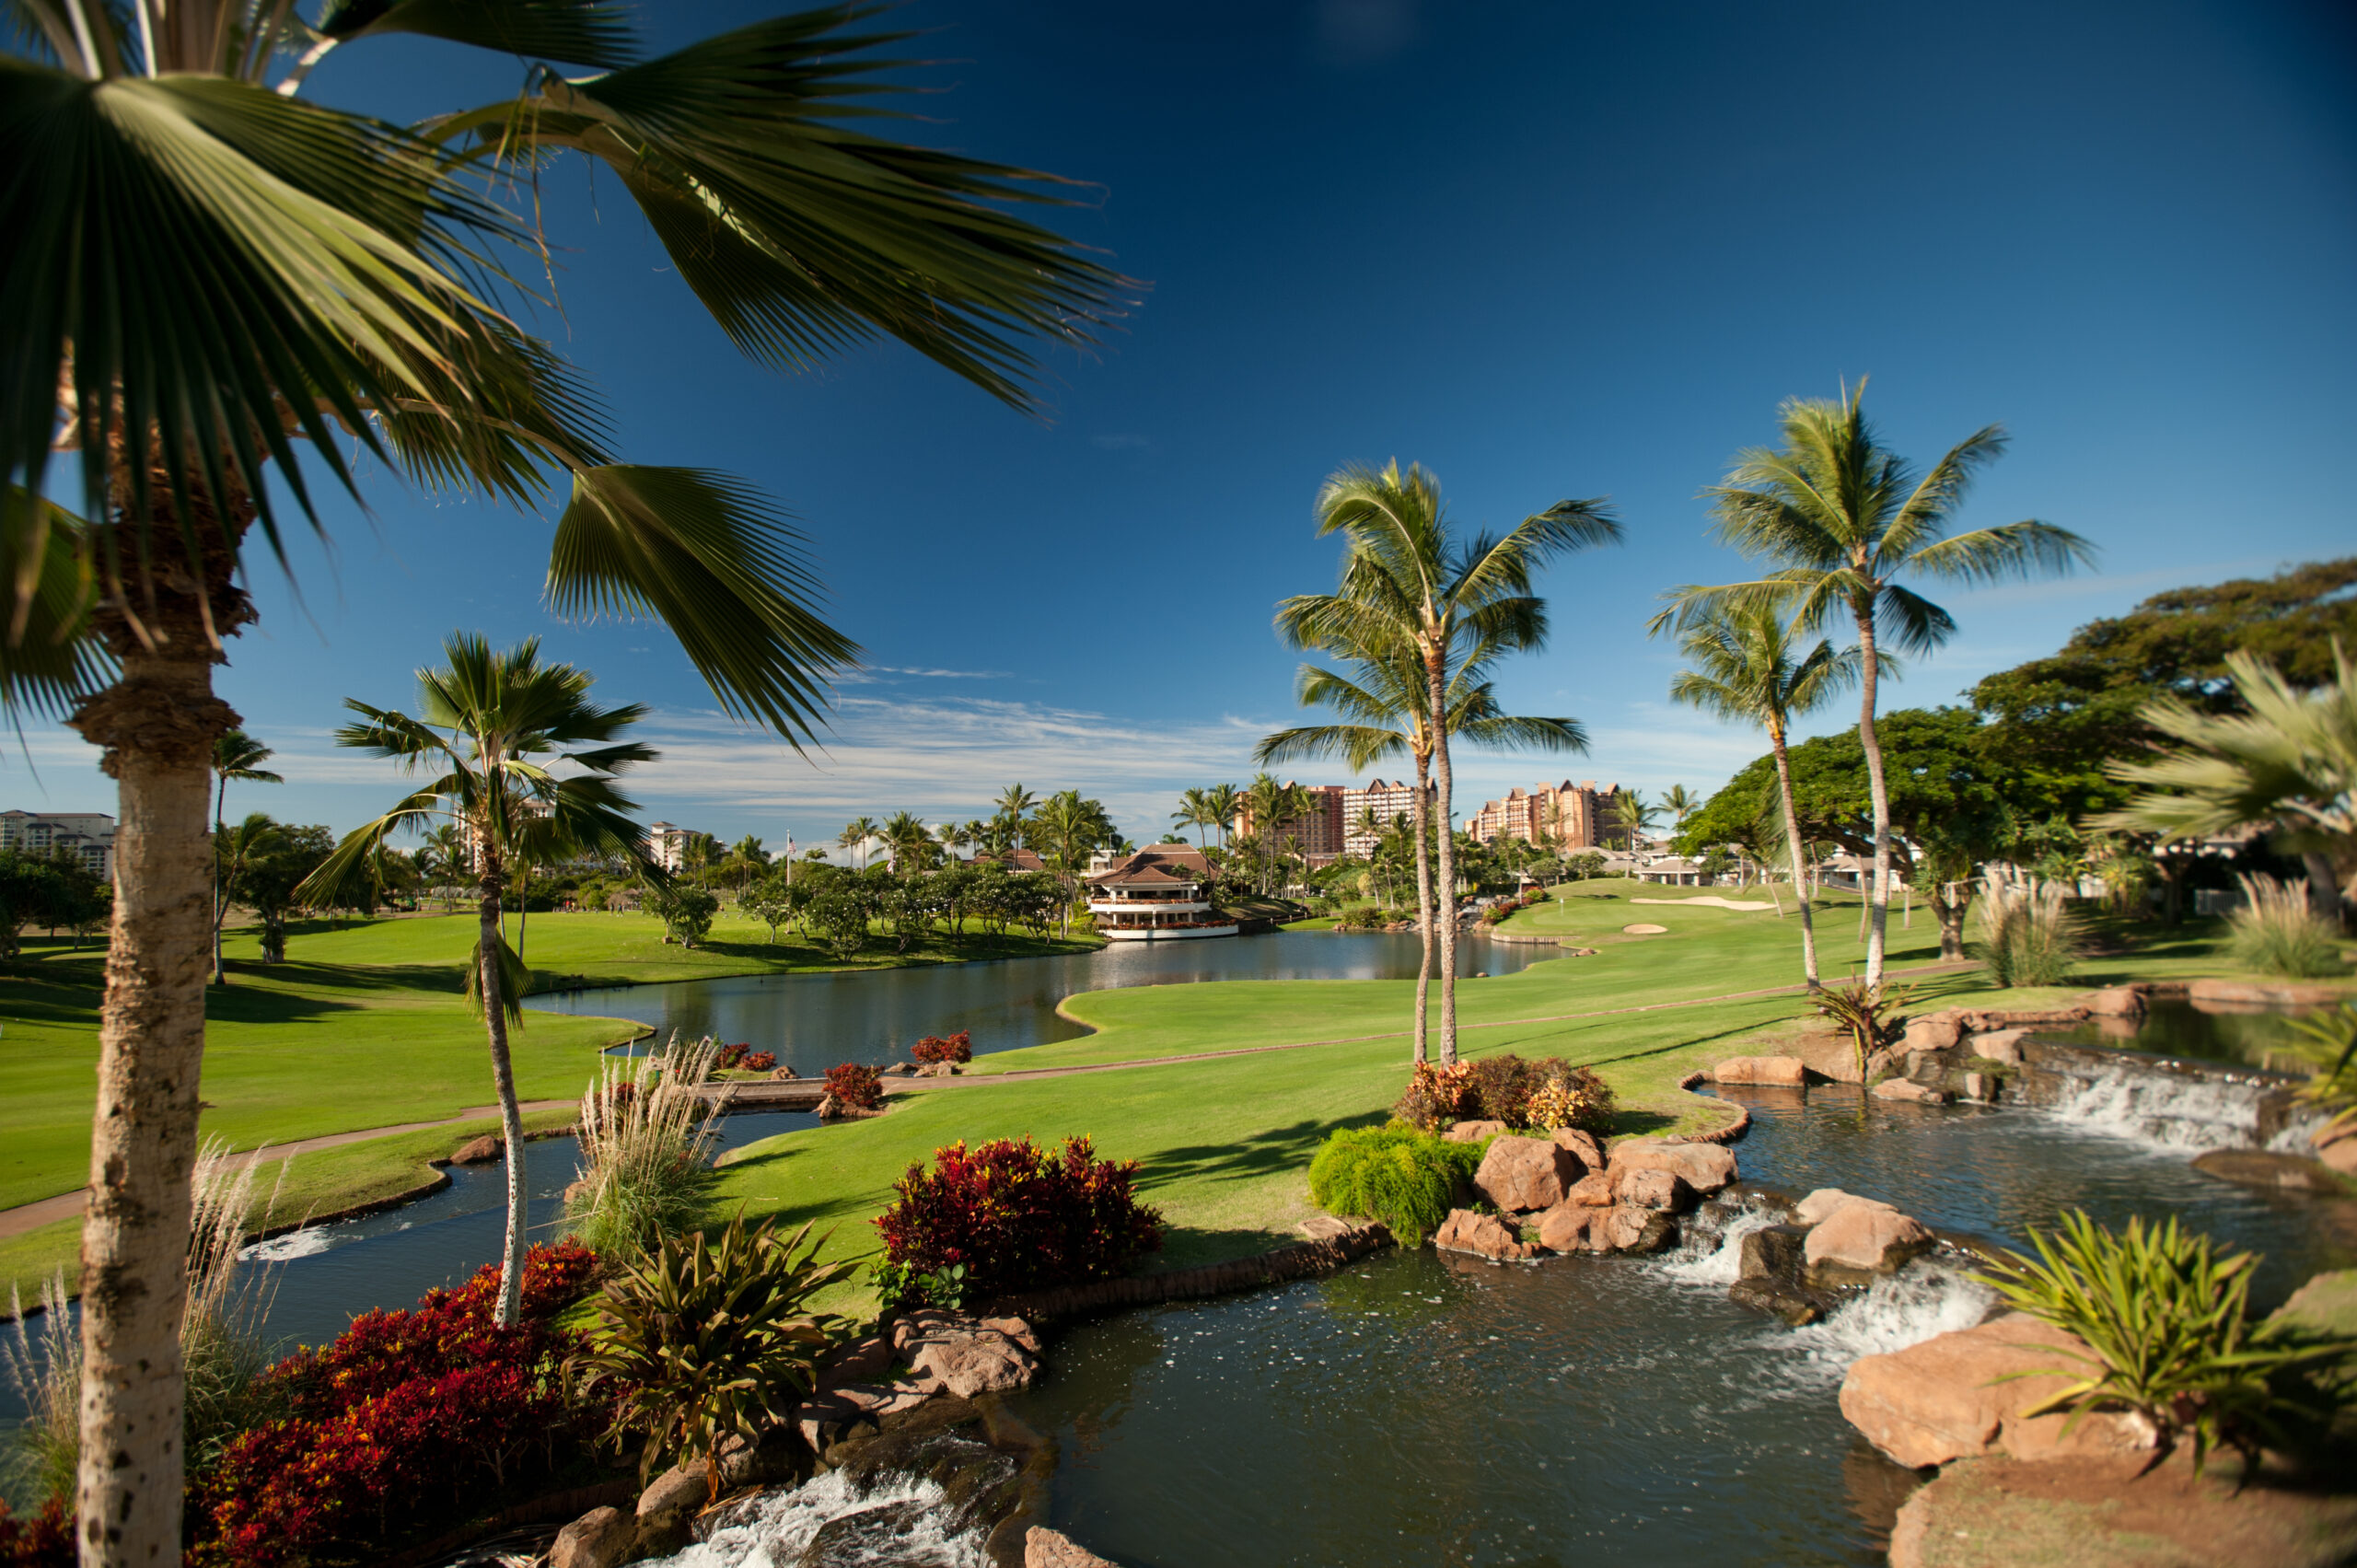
column 66, row 1205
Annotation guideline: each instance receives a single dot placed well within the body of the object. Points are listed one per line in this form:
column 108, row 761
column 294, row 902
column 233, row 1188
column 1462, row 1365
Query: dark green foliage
column 1407, row 1179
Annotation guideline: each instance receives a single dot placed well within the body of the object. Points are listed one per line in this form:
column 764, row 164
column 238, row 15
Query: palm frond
column 1355, row 745
column 48, row 659
column 1910, row 621
column 1511, row 733
column 579, row 32
column 2014, row 551
column 1924, row 517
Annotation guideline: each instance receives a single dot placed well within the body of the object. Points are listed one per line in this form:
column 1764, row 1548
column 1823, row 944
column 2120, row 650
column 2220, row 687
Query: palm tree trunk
column 1793, row 841
column 503, row 1078
column 1436, row 679
column 2324, row 888
column 220, row 890
column 1423, row 902
column 1878, row 901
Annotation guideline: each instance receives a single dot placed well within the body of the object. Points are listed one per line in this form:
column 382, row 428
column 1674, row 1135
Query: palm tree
column 489, row 726
column 1383, row 694
column 236, row 755
column 910, row 841
column 333, row 278
column 1680, row 802
column 857, row 835
column 1842, row 518
column 1015, row 801
column 2290, row 761
column 1262, row 803
column 955, row 836
column 235, row 850
column 1407, row 576
column 1633, row 813
column 1071, row 827
column 444, row 854
column 750, row 860
column 1744, row 670
column 1194, row 811
column 1223, row 801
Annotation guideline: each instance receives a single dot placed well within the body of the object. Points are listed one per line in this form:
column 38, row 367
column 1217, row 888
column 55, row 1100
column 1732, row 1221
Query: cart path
column 66, row 1205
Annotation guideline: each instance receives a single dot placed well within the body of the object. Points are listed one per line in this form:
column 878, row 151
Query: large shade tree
column 1379, row 696
column 1745, row 669
column 207, row 266
column 1409, row 576
column 1840, row 519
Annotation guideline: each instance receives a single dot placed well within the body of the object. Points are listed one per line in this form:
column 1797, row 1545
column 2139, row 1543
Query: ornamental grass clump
column 1016, row 1216
column 646, row 1140
column 705, row 1340
column 2169, row 1337
column 1405, row 1178
column 2276, row 932
column 2029, row 935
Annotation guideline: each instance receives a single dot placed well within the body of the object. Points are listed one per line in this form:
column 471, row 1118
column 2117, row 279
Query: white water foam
column 2163, row 1110
column 1922, row 1301
column 308, row 1242
column 1716, row 1258
column 775, row 1527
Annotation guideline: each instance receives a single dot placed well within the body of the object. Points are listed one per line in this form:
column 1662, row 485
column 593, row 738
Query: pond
column 2202, row 1032
column 1420, row 1408
column 814, row 1021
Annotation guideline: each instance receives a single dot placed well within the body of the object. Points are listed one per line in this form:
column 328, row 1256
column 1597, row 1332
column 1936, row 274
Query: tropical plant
column 1405, row 1179
column 1224, row 801
column 773, row 900
column 2288, row 761
column 857, row 834
column 2029, row 935
column 489, row 727
column 840, row 913
column 236, row 755
column 1866, row 1011
column 1632, row 814
column 2330, row 1039
column 2169, row 1338
column 685, row 910
column 952, row 1049
column 1745, row 669
column 910, row 841
column 340, row 280
column 1437, row 1094
column 1679, row 802
column 1840, row 520
column 1408, row 577
column 2277, row 930
column 855, row 1087
column 1018, row 1216
column 646, row 1138
column 1383, row 700
column 234, row 850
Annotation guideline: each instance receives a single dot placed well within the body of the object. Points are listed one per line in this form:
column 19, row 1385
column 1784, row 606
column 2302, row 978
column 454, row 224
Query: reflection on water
column 2206, row 1031
column 813, row 1021
column 1432, row 1409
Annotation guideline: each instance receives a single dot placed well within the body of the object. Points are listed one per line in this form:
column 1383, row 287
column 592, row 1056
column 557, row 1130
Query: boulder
column 1942, row 1401
column 1778, row 1252
column 1796, row 1307
column 862, row 1361
column 967, row 1355
column 666, row 1508
column 1473, row 1132
column 2002, row 1045
column 1325, row 1227
column 1639, row 1230
column 829, row 1108
column 1592, row 1191
column 479, row 1151
column 2341, row 1154
column 1664, row 1190
column 2113, row 1002
column 1044, row 1548
column 600, row 1539
column 1788, row 1071
column 1581, row 1147
column 1907, row 1089
column 1465, row 1231
column 1980, row 1086
column 1823, row 1202
column 1571, row 1227
column 1706, row 1167
column 938, row 1070
column 1522, row 1174
column 784, row 1075
column 826, row 1419
column 1014, row 1331
column 1862, row 1237
column 1934, row 1031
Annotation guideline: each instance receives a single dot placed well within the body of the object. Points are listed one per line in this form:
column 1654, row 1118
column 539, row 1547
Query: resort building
column 1315, row 835
column 1561, row 815
column 1014, row 860
column 1387, row 801
column 88, row 836
column 667, row 846
column 1161, row 893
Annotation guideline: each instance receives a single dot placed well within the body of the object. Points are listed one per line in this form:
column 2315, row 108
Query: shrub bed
column 1408, row 1180
column 957, row 1048
column 1543, row 1095
column 1015, row 1216
column 855, row 1087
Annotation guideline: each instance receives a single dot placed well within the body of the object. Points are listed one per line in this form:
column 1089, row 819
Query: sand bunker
column 1713, row 902
column 1646, row 930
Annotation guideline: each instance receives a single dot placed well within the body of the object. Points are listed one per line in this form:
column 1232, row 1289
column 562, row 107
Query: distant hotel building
column 1317, row 835
column 1387, row 801
column 88, row 836
column 666, row 846
column 1561, row 815
column 1161, row 893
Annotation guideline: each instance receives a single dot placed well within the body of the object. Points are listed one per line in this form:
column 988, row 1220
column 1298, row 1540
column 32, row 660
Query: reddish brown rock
column 1567, row 1227
column 2341, row 1154
column 1592, row 1191
column 2115, row 1002
column 479, row 1151
column 823, row 1419
column 783, row 1074
column 1941, row 1401
column 1639, row 1230
column 600, row 1539
column 1909, row 1090
column 1790, row 1072
column 1934, row 1031
column 1664, row 1190
column 1862, row 1237
column 1044, row 1548
column 1706, row 1167
column 863, row 1360
column 1823, row 1202
column 1465, row 1231
column 1520, row 1175
column 969, row 1355
column 1581, row 1147
column 2000, row 1045
column 1473, row 1132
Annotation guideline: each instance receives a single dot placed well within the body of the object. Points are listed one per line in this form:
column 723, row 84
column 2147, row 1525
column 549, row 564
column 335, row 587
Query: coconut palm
column 857, row 834
column 236, row 755
column 1745, row 669
column 1383, row 694
column 1407, row 574
column 331, row 278
column 488, row 728
column 1633, row 813
column 1069, row 828
column 1841, row 519
column 910, row 841
column 444, row 856
column 1680, row 803
column 2288, row 761
column 1223, row 801
column 1015, row 801
column 1194, row 811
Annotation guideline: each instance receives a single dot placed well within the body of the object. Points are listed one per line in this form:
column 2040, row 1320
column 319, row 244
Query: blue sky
column 1547, row 248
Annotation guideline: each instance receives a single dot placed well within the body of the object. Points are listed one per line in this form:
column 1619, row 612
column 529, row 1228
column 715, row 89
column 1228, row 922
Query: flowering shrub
column 408, row 1415
column 732, row 1055
column 758, row 1061
column 1436, row 1094
column 855, row 1087
column 1018, row 1216
column 958, row 1047
column 1577, row 1098
column 1508, row 1088
column 37, row 1541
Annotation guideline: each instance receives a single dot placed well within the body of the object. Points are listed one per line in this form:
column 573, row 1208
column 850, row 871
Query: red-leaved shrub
column 958, row 1047
column 730, row 1056
column 37, row 1541
column 1018, row 1216
column 408, row 1415
column 1436, row 1094
column 759, row 1061
column 855, row 1087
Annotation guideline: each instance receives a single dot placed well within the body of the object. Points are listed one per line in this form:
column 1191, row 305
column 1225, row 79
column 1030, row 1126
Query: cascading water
column 837, row 1522
column 2167, row 1111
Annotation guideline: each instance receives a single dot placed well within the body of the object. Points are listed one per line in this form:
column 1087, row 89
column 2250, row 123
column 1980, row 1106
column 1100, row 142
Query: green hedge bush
column 1407, row 1179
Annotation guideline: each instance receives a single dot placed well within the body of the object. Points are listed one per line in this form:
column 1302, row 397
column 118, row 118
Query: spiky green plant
column 2276, row 931
column 704, row 1340
column 2331, row 1041
column 2169, row 1337
column 1866, row 1013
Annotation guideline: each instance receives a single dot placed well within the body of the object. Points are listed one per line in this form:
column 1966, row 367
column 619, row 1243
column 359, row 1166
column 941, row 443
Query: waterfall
column 2164, row 1111
column 900, row 1520
column 1710, row 1251
column 1925, row 1299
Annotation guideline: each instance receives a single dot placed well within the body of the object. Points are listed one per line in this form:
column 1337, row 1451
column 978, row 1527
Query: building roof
column 1014, row 860
column 1157, row 865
